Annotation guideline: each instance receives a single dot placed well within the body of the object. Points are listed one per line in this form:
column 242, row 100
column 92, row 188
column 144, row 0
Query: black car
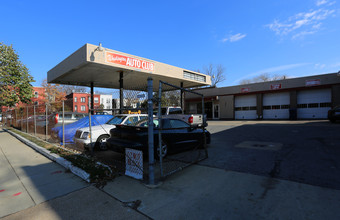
column 334, row 114
column 177, row 136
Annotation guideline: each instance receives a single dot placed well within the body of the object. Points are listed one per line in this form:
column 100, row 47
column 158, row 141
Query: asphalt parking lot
column 301, row 151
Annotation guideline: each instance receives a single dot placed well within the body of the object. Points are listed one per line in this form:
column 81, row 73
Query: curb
column 54, row 157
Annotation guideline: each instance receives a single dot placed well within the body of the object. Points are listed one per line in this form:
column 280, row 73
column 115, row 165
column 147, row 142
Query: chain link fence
column 74, row 125
column 182, row 144
column 62, row 123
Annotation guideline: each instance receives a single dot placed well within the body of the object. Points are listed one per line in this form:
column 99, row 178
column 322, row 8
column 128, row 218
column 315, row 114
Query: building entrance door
column 208, row 109
column 216, row 111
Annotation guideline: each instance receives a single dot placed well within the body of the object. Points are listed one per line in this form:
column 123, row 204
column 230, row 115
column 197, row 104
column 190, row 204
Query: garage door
column 245, row 107
column 276, row 105
column 313, row 103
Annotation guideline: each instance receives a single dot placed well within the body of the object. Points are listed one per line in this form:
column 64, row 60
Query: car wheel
column 101, row 142
column 332, row 120
column 163, row 150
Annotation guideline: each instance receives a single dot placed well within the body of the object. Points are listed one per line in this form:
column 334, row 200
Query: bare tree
column 264, row 77
column 245, row 81
column 279, row 77
column 216, row 73
column 68, row 89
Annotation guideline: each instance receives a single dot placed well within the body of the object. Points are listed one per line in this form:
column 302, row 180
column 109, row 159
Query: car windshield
column 116, row 120
column 174, row 111
column 144, row 123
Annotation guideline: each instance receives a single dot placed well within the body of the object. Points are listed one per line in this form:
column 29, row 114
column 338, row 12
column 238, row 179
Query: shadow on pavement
column 309, row 151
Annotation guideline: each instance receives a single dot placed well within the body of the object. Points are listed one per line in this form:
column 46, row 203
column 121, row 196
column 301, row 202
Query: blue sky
column 295, row 38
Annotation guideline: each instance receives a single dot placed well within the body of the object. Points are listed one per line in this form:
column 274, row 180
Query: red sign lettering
column 243, row 90
column 130, row 61
column 275, row 86
column 313, row 82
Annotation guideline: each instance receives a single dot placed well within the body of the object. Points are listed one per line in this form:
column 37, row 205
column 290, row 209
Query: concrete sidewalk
column 45, row 190
column 87, row 203
column 200, row 192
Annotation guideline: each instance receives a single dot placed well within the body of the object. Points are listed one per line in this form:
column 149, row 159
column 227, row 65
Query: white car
column 102, row 132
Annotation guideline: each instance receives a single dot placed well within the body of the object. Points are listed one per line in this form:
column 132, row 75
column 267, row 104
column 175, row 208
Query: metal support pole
column 204, row 136
column 63, row 123
column 150, row 133
column 90, row 127
column 46, row 123
column 35, row 122
column 160, row 144
column 27, row 119
column 92, row 99
column 182, row 93
column 121, row 94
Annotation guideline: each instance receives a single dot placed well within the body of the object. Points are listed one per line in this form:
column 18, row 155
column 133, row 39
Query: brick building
column 79, row 102
column 39, row 98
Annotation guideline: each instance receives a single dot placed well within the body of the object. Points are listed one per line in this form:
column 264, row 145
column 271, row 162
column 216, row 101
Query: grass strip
column 98, row 173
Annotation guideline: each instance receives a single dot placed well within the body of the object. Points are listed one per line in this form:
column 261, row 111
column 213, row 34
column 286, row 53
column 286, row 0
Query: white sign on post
column 134, row 163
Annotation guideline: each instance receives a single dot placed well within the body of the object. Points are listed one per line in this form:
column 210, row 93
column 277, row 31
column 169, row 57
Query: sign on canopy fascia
column 129, row 61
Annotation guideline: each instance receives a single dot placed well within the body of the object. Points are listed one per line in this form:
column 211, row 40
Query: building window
column 302, row 105
column 96, row 100
column 75, row 99
column 108, row 101
column 75, row 108
column 193, row 76
column 313, row 105
column 36, row 95
column 325, row 104
column 82, row 99
column 82, row 108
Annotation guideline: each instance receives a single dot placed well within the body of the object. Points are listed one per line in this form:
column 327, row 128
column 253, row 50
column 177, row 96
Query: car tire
column 164, row 150
column 101, row 142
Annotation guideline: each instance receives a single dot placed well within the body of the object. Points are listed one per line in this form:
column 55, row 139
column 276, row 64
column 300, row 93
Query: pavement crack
column 276, row 169
column 268, row 184
column 277, row 164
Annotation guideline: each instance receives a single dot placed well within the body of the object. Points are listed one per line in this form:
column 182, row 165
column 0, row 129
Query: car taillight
column 56, row 118
column 191, row 120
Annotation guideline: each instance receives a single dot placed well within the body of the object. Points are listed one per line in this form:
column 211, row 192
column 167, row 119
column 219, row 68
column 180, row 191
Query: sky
column 285, row 37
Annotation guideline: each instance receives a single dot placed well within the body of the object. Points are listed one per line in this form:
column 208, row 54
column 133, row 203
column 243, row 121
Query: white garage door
column 276, row 105
column 313, row 103
column 245, row 107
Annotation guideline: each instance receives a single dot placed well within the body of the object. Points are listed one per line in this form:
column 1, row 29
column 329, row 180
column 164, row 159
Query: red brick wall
column 80, row 101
